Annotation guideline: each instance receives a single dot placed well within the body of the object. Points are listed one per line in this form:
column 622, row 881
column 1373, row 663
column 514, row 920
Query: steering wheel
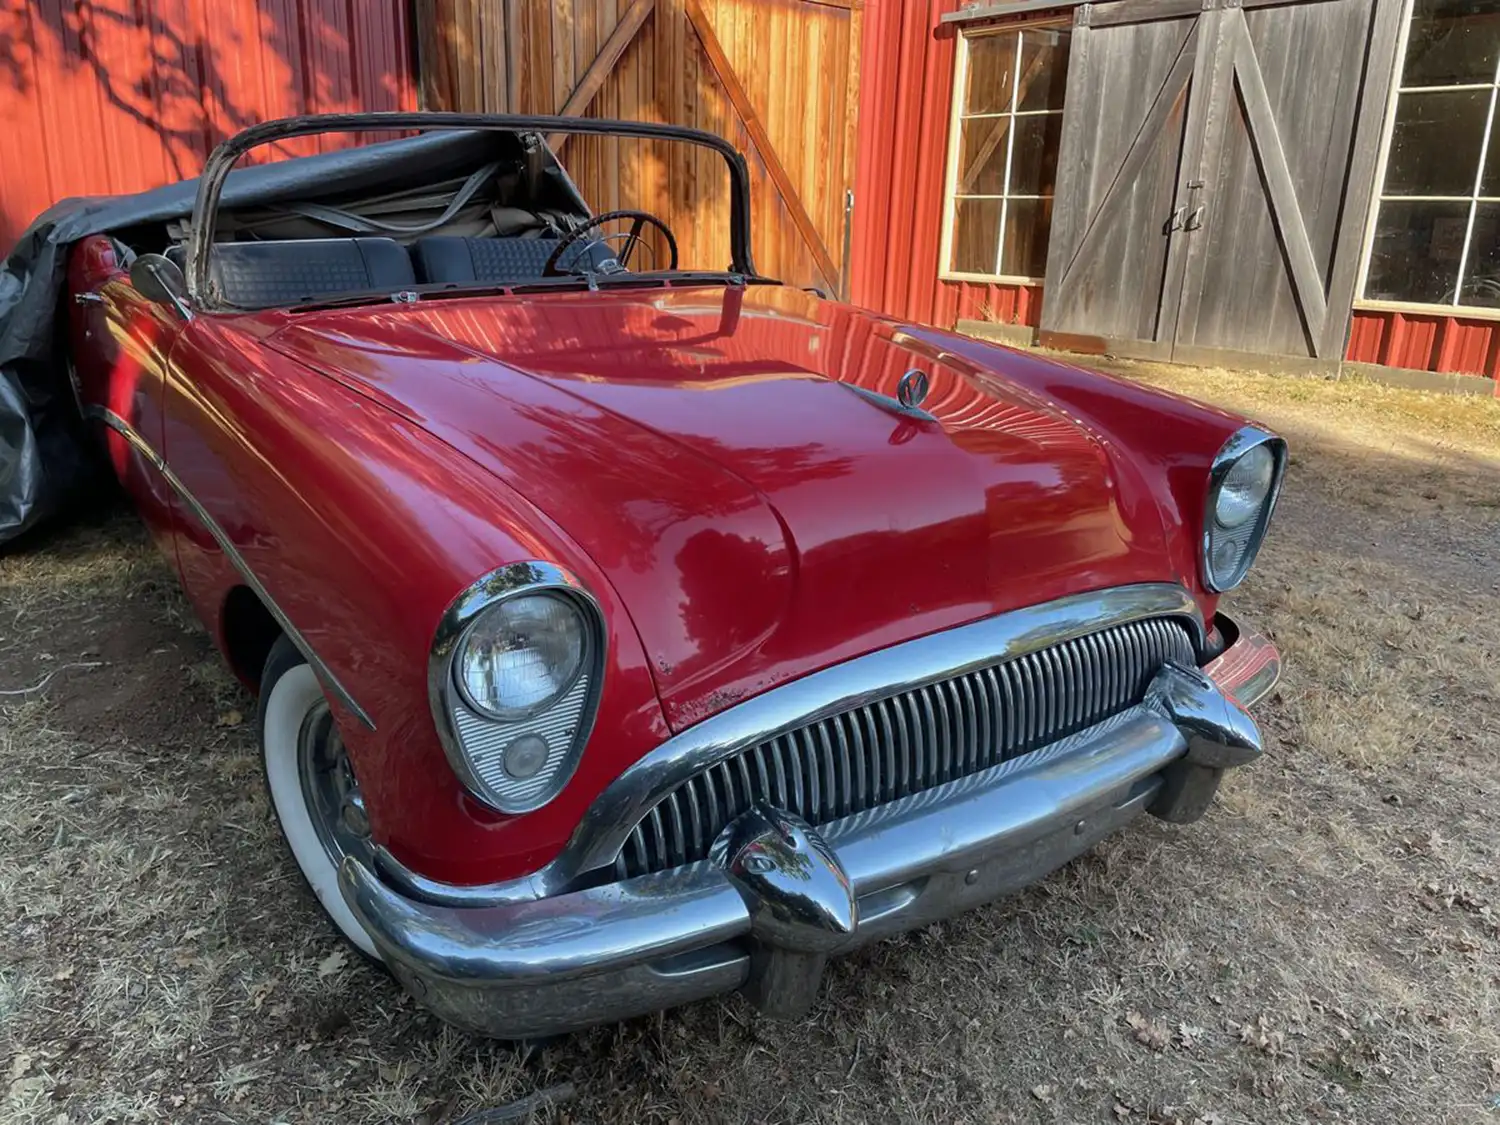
column 620, row 261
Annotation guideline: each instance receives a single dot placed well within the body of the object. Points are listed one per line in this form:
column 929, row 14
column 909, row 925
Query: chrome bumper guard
column 777, row 897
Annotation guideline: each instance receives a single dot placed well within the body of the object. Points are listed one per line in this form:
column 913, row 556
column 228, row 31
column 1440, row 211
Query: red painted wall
column 117, row 96
column 906, row 90
column 1425, row 343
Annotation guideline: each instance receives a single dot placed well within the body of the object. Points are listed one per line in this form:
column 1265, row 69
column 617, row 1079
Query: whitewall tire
column 310, row 783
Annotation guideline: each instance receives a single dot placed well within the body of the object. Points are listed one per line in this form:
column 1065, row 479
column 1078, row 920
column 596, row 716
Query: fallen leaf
column 1189, row 1036
column 1042, row 1093
column 1122, row 1111
column 231, row 718
column 260, row 991
column 1148, row 1032
column 19, row 1066
column 1261, row 1036
column 333, row 963
column 64, row 973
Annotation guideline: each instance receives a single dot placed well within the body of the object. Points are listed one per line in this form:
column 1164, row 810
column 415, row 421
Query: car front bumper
column 778, row 897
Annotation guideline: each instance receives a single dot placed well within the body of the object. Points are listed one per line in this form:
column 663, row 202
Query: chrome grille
column 912, row 741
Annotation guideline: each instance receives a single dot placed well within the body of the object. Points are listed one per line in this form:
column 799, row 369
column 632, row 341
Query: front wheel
column 312, row 783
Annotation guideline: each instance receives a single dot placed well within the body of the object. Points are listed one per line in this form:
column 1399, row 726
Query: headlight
column 521, row 655
column 1245, row 487
column 514, row 679
column 1242, row 489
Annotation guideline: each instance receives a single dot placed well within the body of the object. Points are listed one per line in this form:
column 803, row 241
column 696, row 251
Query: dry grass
column 1324, row 947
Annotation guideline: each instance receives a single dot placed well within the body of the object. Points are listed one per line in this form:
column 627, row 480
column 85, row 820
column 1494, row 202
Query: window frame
column 955, row 145
column 1378, row 196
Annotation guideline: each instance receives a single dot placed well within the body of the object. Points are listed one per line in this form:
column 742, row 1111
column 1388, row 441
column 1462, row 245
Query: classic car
column 626, row 634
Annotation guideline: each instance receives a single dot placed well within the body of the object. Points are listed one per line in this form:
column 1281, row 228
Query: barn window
column 1435, row 239
column 1002, row 152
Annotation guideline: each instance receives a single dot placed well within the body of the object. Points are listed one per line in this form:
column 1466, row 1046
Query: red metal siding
column 117, row 96
column 906, row 90
column 1425, row 343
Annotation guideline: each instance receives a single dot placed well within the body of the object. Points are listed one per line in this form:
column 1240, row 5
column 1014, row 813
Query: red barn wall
column 116, row 96
column 906, row 90
column 1425, row 342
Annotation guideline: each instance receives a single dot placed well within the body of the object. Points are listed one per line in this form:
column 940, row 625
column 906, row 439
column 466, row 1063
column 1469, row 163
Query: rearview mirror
column 159, row 279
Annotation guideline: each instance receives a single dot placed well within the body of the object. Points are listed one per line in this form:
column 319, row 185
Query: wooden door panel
column 1123, row 136
column 1275, row 168
column 779, row 78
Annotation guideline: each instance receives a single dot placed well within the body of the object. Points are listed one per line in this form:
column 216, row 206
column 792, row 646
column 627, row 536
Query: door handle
column 1175, row 222
column 1195, row 220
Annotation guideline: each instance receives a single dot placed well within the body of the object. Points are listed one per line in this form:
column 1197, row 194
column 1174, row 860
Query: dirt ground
column 1324, row 946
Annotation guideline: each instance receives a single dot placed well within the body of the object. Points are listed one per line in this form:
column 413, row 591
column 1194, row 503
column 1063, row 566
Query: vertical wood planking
column 795, row 63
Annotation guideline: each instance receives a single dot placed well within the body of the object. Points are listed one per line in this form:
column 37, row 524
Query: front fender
column 363, row 528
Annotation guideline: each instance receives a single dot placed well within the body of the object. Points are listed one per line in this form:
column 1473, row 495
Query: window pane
column 1033, row 165
column 992, row 73
column 1416, row 251
column 976, row 234
column 1435, row 144
column 1452, row 42
column 981, row 163
column 1482, row 276
column 1044, row 69
column 1026, row 224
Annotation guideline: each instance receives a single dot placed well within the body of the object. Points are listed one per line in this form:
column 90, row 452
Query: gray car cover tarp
column 42, row 460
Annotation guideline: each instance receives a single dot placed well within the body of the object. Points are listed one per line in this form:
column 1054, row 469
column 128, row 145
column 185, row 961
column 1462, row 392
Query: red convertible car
column 626, row 633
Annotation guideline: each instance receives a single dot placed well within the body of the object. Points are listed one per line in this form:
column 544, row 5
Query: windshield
column 521, row 204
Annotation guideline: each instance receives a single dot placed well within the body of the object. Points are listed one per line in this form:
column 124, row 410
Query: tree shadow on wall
column 189, row 77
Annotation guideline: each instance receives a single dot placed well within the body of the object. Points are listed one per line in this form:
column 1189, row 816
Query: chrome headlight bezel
column 1252, row 532
column 475, row 738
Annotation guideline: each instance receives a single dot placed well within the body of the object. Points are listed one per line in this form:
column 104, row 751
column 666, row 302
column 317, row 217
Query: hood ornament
column 912, row 389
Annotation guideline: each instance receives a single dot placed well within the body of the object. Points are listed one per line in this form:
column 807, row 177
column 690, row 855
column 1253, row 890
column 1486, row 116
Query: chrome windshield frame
column 224, row 157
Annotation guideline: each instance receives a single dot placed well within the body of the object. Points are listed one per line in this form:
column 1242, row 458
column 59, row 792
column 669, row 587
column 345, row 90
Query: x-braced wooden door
column 1216, row 165
column 778, row 78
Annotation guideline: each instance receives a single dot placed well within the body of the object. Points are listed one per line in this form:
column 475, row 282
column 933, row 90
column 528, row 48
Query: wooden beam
column 1364, row 161
column 762, row 142
column 593, row 78
column 1281, row 189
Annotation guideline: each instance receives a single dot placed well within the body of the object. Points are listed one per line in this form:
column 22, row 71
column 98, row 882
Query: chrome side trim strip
column 141, row 446
column 856, row 683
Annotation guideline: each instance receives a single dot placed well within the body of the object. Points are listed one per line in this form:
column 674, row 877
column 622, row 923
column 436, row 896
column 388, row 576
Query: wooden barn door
column 1114, row 243
column 1215, row 171
column 778, row 78
column 1292, row 136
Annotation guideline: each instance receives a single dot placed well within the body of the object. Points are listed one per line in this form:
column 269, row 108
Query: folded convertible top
column 42, row 462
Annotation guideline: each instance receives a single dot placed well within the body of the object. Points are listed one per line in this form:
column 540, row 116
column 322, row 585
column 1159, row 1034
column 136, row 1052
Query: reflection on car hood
column 759, row 517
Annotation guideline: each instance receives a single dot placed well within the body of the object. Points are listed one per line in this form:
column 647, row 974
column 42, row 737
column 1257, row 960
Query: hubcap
column 329, row 788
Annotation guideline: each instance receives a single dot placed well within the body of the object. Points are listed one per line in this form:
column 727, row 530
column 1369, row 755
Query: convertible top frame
column 224, row 157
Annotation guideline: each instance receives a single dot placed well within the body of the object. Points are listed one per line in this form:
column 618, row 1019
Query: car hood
column 718, row 454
